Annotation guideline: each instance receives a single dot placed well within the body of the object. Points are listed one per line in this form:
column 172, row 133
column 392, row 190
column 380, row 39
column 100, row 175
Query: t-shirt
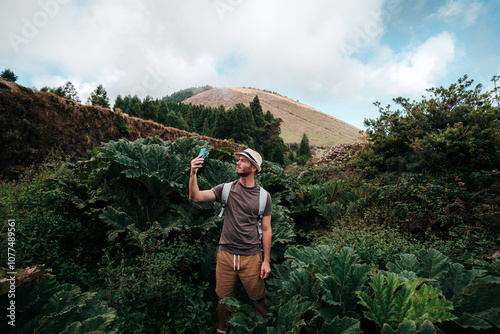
column 240, row 234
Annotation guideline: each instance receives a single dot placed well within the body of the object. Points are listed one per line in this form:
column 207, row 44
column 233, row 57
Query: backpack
column 262, row 204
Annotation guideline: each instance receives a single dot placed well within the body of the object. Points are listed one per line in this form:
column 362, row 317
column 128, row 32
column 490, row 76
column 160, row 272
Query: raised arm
column 195, row 194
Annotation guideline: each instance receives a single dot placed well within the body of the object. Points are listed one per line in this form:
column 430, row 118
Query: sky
column 336, row 56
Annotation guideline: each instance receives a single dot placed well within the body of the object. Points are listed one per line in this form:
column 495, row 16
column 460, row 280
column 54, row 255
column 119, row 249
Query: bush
column 44, row 306
column 165, row 287
column 374, row 245
column 51, row 231
column 322, row 290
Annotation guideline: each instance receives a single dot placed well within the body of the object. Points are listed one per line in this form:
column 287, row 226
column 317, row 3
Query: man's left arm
column 267, row 236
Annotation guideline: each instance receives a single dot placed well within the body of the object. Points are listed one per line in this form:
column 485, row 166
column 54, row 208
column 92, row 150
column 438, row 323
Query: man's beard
column 243, row 174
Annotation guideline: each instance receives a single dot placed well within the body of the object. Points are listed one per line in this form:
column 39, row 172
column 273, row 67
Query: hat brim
column 252, row 160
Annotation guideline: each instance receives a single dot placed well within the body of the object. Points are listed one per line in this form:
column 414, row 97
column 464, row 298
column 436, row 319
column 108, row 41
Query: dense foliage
column 8, row 75
column 456, row 129
column 247, row 125
column 363, row 242
column 68, row 91
column 184, row 94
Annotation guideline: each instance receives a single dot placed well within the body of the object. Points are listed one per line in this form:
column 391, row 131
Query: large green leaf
column 397, row 300
column 143, row 184
column 44, row 306
column 341, row 326
column 291, row 316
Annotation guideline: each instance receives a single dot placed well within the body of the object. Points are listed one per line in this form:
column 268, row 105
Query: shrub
column 164, row 287
column 45, row 306
column 50, row 229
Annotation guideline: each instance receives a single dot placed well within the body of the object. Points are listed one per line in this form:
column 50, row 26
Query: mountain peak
column 298, row 118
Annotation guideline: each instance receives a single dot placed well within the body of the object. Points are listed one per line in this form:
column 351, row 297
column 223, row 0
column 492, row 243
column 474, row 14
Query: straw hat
column 254, row 157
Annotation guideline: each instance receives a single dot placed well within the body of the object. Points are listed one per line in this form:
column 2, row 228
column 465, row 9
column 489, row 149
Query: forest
column 396, row 235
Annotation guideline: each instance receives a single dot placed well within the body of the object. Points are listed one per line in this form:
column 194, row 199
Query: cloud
column 158, row 47
column 462, row 10
column 413, row 71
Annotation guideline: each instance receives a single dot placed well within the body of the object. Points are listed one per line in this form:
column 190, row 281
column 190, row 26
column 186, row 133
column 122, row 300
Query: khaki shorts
column 247, row 268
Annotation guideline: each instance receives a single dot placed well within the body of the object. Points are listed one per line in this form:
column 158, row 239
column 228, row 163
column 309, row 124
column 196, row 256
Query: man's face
column 244, row 167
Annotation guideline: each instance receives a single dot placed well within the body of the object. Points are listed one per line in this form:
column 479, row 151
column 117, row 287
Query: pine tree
column 99, row 97
column 149, row 110
column 162, row 111
column 304, row 151
column 134, row 106
column 279, row 154
column 8, row 75
column 268, row 117
column 206, row 128
column 119, row 104
column 258, row 116
column 242, row 125
column 70, row 92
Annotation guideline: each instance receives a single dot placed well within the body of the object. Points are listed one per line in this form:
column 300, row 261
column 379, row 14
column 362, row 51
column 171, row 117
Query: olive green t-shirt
column 240, row 234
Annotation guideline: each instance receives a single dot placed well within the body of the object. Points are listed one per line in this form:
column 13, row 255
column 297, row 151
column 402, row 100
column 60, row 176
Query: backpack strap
column 225, row 195
column 262, row 207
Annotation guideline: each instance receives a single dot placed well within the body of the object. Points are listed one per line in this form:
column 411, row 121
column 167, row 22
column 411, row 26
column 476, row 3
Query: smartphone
column 202, row 153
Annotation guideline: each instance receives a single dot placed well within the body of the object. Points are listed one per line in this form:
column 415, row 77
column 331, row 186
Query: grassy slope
column 321, row 129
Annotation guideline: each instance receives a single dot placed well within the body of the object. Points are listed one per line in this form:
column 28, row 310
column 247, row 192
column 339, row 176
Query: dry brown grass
column 298, row 118
column 36, row 125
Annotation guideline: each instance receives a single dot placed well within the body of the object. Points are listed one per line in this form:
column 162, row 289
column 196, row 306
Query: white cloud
column 459, row 10
column 413, row 71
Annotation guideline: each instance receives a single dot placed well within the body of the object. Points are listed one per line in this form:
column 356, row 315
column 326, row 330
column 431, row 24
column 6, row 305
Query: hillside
column 321, row 129
column 35, row 125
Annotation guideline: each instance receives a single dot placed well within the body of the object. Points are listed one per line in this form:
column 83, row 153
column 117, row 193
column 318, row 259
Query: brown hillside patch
column 35, row 125
column 298, row 118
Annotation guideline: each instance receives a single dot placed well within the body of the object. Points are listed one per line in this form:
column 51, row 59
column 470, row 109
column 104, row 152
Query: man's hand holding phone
column 197, row 162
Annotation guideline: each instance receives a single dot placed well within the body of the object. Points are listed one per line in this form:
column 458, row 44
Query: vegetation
column 8, row 75
column 388, row 237
column 68, row 91
column 184, row 94
column 304, row 151
column 99, row 97
column 245, row 125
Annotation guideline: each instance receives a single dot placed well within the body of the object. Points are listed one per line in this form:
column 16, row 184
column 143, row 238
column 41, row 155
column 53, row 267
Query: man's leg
column 254, row 286
column 261, row 307
column 226, row 279
column 221, row 316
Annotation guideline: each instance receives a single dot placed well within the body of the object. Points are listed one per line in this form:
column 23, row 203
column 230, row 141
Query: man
column 239, row 245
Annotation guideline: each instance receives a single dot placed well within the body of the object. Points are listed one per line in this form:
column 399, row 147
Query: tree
column 149, row 109
column 242, row 125
column 67, row 91
column 455, row 129
column 304, row 151
column 119, row 104
column 258, row 116
column 70, row 92
column 99, row 97
column 176, row 121
column 279, row 153
column 222, row 127
column 8, row 75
